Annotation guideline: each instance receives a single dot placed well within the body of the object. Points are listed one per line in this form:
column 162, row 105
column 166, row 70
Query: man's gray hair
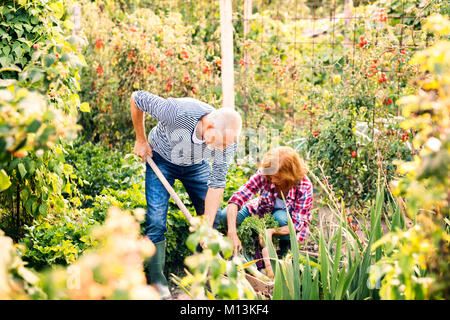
column 226, row 119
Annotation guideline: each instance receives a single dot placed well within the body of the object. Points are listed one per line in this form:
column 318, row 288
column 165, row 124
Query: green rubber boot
column 155, row 270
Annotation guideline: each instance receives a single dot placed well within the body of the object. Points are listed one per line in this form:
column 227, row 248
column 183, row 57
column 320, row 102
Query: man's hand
column 237, row 245
column 142, row 149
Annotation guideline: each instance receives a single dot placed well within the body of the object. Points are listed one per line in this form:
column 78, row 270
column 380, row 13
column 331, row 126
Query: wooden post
column 248, row 6
column 247, row 16
column 348, row 13
column 76, row 18
column 226, row 28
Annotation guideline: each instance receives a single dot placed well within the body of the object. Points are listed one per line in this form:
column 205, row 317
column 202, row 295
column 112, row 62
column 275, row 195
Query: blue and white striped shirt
column 172, row 136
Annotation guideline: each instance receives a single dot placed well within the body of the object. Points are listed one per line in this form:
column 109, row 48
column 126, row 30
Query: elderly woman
column 282, row 172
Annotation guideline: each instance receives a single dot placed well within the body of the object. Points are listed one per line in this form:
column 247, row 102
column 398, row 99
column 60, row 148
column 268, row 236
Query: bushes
column 39, row 50
column 113, row 270
column 38, row 101
column 58, row 240
column 348, row 156
column 139, row 51
column 108, row 177
column 99, row 167
column 417, row 264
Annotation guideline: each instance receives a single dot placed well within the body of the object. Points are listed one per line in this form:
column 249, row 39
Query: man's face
column 216, row 139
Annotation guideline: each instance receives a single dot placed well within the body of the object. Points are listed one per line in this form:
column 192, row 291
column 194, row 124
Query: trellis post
column 226, row 28
column 247, row 15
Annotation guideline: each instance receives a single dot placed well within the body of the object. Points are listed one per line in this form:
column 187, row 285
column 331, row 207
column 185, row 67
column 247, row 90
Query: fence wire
column 289, row 45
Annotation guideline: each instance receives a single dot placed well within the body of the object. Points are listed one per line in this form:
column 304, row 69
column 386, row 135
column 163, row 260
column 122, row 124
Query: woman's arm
column 245, row 193
column 248, row 190
column 301, row 211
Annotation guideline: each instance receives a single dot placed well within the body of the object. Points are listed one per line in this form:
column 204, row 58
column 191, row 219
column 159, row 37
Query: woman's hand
column 142, row 149
column 269, row 232
column 237, row 245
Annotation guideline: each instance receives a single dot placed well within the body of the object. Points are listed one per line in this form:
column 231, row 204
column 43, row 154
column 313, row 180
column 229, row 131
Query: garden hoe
column 169, row 189
column 157, row 261
column 258, row 285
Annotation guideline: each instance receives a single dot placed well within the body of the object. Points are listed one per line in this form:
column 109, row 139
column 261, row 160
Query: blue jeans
column 194, row 179
column 279, row 215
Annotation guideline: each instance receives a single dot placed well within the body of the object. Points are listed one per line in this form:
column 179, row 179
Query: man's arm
column 141, row 147
column 217, row 181
column 232, row 212
column 159, row 108
column 212, row 203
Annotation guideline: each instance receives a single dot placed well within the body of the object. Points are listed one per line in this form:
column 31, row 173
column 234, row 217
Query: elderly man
column 188, row 132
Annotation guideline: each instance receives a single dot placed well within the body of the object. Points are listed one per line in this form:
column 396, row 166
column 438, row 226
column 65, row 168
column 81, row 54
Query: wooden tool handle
column 169, row 189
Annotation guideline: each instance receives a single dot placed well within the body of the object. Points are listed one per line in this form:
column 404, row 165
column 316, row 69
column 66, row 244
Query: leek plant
column 343, row 266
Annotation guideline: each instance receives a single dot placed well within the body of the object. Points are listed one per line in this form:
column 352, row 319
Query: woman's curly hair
column 284, row 165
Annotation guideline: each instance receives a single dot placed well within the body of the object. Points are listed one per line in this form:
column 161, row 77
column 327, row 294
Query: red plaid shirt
column 298, row 200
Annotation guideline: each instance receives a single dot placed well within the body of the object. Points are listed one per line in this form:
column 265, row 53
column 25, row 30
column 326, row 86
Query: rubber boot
column 155, row 270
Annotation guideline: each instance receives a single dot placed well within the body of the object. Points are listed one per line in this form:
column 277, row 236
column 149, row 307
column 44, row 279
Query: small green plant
column 251, row 228
column 99, row 167
column 211, row 274
column 58, row 240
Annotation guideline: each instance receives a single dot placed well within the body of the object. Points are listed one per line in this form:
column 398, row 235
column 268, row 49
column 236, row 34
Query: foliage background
column 340, row 89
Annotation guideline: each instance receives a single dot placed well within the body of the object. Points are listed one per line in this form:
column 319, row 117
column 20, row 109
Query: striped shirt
column 298, row 200
column 172, row 138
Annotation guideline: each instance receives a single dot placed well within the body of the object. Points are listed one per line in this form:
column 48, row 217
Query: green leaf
column 306, row 280
column 49, row 59
column 36, row 75
column 5, row 182
column 324, row 274
column 192, row 242
column 278, row 287
column 11, row 68
column 6, row 50
column 84, row 107
column 34, row 126
column 295, row 255
column 22, row 170
column 43, row 208
column 18, row 51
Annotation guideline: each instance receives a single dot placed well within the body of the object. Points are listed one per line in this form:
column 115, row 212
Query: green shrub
column 348, row 161
column 99, row 167
column 58, row 240
column 251, row 228
column 39, row 74
column 135, row 51
column 176, row 236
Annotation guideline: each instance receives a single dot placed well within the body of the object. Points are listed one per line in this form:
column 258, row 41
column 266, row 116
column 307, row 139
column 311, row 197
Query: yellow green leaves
column 84, row 107
column 5, row 182
column 212, row 274
column 22, row 170
column 438, row 24
column 57, row 8
column 418, row 257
